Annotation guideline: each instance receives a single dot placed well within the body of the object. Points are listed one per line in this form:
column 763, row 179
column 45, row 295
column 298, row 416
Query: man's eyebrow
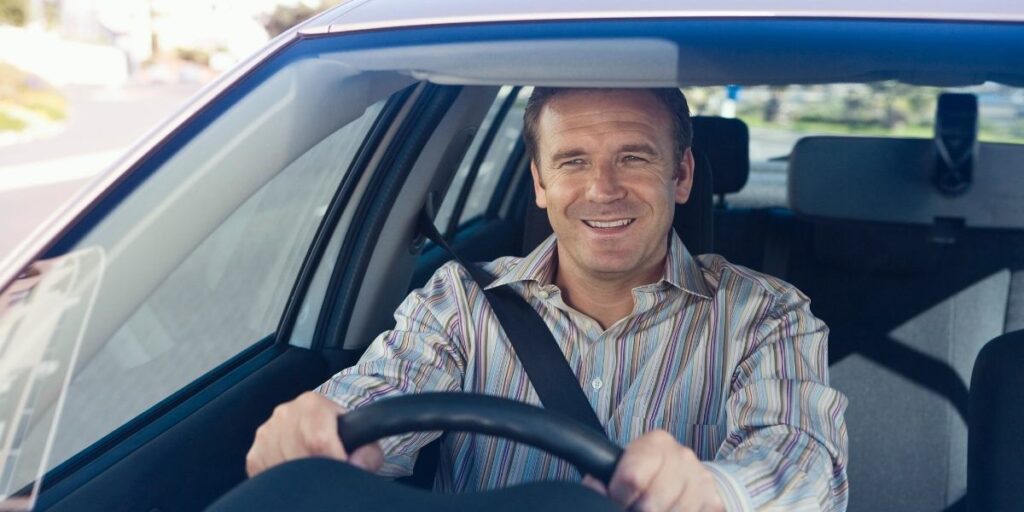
column 638, row 148
column 568, row 153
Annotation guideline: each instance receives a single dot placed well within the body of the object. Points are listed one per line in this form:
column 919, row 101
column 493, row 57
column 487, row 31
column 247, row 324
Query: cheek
column 560, row 195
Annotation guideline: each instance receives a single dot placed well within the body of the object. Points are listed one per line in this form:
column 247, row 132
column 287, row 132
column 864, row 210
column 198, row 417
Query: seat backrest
column 912, row 284
column 692, row 220
column 739, row 232
column 995, row 437
column 726, row 143
column 891, row 180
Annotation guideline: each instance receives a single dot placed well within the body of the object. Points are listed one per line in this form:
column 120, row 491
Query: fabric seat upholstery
column 912, row 286
column 996, row 440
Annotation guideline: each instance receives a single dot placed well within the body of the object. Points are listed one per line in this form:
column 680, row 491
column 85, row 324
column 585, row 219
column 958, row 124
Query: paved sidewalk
column 38, row 176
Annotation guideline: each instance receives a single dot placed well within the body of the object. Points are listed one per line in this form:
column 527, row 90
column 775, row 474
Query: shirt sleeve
column 422, row 353
column 786, row 447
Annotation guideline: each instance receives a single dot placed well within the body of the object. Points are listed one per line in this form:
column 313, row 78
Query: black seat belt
column 545, row 364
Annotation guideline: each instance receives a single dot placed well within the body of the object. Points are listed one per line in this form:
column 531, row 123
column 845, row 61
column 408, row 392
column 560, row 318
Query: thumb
column 368, row 458
column 595, row 485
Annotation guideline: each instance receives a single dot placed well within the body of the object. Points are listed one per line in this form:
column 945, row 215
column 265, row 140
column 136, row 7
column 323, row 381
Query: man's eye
column 633, row 159
column 575, row 162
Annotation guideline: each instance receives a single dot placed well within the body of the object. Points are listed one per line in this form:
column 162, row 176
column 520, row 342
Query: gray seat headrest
column 726, row 143
column 890, row 180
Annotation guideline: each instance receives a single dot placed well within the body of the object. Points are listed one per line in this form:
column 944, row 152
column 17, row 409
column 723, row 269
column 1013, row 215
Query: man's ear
column 684, row 177
column 538, row 186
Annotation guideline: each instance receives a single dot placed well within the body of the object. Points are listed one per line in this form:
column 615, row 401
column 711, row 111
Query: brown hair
column 671, row 98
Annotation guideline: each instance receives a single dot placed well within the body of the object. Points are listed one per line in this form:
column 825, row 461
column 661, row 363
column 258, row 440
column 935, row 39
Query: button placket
column 595, row 385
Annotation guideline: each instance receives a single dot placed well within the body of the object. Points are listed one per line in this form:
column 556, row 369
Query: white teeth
column 608, row 224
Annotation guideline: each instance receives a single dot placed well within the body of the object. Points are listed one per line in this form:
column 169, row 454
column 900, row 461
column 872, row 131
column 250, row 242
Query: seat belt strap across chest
column 545, row 364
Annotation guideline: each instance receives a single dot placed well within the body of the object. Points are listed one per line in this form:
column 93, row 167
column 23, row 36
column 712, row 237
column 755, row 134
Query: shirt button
column 596, row 383
column 543, row 294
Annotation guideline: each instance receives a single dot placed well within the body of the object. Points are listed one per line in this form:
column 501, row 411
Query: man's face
column 607, row 174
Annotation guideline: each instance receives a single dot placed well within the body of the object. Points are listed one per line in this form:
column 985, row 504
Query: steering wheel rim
column 590, row 451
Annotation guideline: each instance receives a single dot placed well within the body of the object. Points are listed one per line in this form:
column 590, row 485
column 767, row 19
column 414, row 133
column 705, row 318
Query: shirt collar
column 682, row 270
column 536, row 266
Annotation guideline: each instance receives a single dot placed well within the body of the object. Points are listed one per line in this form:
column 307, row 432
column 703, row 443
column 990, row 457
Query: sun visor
column 631, row 62
column 893, row 180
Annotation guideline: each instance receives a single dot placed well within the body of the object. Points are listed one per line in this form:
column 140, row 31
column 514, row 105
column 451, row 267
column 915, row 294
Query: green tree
column 286, row 17
column 13, row 12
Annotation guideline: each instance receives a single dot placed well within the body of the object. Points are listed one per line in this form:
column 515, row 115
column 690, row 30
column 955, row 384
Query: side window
column 474, row 184
column 226, row 294
column 482, row 190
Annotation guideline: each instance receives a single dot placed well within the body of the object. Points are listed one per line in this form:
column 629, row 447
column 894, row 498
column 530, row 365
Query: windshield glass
column 779, row 116
column 42, row 318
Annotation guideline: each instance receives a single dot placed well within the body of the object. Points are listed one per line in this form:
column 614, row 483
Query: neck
column 607, row 298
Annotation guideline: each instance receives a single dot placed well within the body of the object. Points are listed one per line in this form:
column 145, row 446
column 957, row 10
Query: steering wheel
column 323, row 484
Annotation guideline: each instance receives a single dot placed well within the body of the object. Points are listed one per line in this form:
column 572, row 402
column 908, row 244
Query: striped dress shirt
column 729, row 361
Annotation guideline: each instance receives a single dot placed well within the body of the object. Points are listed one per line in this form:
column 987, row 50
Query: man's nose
column 605, row 184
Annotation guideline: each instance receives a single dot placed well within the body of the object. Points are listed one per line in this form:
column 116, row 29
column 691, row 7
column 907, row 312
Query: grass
column 29, row 92
column 8, row 123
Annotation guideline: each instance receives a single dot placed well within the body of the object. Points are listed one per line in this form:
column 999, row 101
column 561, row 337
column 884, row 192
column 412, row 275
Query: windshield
column 779, row 116
column 42, row 318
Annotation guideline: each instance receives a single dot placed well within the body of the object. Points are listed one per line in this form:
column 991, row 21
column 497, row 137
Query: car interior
column 914, row 275
column 910, row 293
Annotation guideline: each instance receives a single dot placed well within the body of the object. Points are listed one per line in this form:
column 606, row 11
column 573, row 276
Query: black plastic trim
column 104, row 453
column 368, row 222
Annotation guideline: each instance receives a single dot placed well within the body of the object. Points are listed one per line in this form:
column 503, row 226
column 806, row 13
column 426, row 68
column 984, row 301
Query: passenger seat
column 912, row 283
column 996, row 440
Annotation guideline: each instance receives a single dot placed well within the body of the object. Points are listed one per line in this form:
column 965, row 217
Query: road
column 37, row 176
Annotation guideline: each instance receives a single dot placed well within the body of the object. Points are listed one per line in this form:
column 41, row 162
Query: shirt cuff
column 733, row 494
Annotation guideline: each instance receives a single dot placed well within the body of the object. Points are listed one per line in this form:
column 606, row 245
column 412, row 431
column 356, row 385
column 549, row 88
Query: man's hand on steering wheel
column 656, row 473
column 306, row 427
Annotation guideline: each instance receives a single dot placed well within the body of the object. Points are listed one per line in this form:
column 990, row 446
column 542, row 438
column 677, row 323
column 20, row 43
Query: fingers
column 318, row 434
column 701, row 494
column 304, row 427
column 260, row 452
column 668, row 486
column 368, row 458
column 656, row 473
column 635, row 473
column 594, row 484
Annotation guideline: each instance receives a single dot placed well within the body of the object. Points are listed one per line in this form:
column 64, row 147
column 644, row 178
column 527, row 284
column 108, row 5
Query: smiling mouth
column 608, row 224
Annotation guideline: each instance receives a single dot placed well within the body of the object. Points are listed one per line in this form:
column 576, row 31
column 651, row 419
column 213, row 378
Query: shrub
column 13, row 12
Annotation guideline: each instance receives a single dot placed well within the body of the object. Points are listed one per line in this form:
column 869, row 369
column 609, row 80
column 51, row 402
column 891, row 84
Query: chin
column 606, row 265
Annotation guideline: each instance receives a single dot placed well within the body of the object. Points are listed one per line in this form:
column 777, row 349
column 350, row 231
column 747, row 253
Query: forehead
column 603, row 112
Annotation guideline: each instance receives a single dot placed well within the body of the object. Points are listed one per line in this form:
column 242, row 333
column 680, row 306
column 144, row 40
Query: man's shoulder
column 748, row 291
column 453, row 273
column 502, row 265
column 725, row 276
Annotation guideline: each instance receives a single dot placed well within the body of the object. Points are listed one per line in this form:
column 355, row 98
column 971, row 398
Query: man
column 713, row 377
